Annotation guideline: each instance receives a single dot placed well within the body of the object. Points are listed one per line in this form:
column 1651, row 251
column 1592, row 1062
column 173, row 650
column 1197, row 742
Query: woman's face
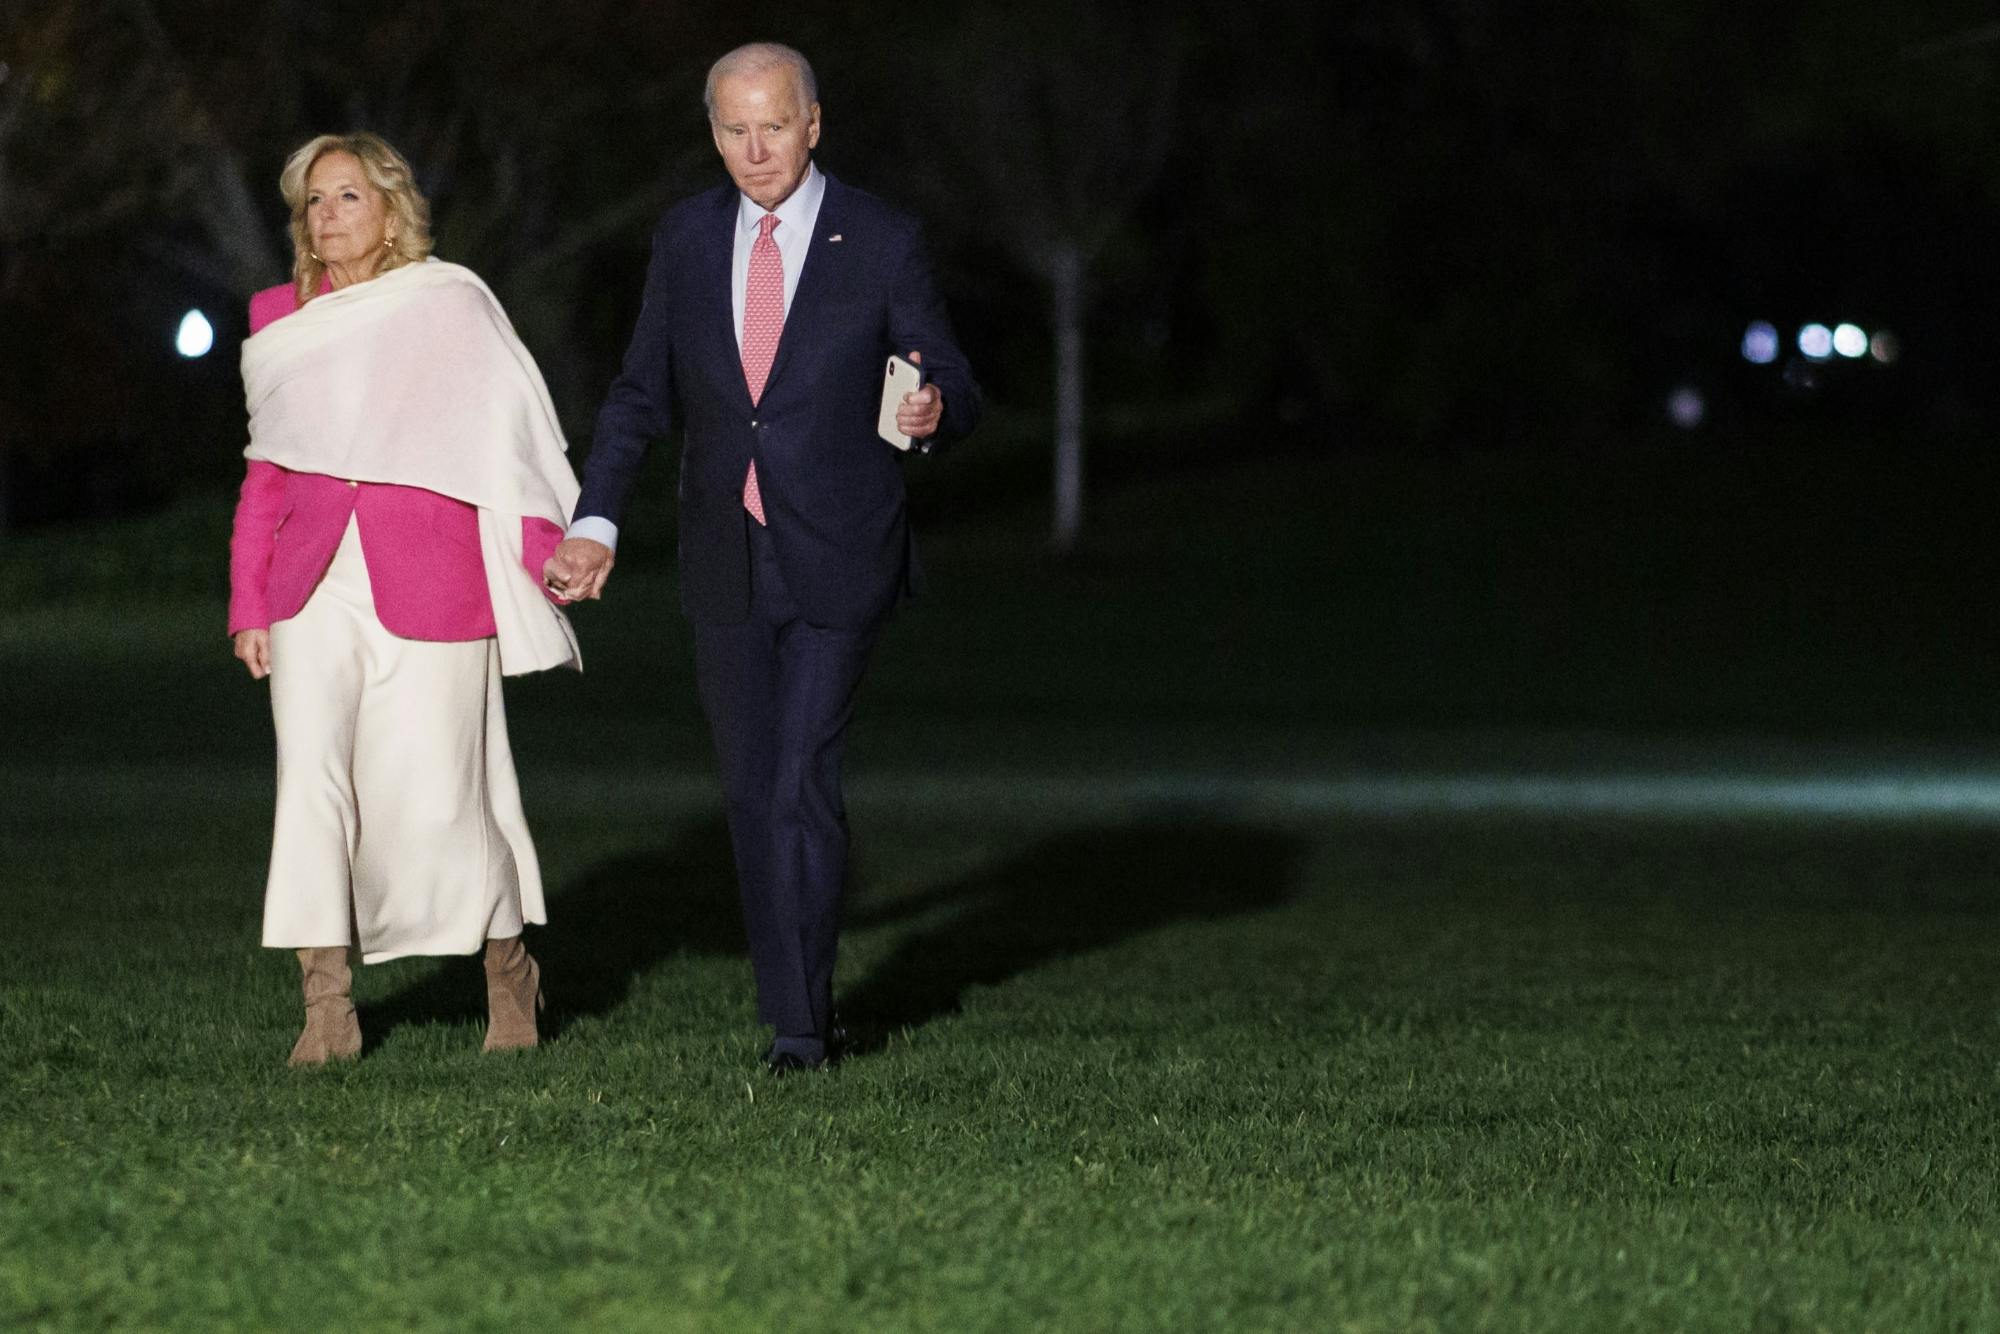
column 346, row 217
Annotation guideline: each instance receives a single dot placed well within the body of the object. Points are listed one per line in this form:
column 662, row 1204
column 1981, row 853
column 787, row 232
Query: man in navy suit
column 770, row 310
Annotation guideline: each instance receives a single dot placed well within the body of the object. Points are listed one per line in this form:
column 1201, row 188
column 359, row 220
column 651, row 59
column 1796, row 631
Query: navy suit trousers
column 779, row 693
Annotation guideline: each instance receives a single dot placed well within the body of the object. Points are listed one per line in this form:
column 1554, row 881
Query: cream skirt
column 399, row 822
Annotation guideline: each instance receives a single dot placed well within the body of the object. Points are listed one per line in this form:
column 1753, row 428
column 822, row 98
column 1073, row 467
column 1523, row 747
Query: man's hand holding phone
column 911, row 410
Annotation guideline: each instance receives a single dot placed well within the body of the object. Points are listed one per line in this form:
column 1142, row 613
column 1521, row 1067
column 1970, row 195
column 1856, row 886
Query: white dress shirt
column 797, row 215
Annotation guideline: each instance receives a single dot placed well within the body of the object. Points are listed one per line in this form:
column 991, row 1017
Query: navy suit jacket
column 831, row 488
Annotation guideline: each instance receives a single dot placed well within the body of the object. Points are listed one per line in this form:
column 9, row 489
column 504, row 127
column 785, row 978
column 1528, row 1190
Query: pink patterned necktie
column 763, row 321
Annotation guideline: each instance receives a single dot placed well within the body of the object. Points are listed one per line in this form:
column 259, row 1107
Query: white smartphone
column 900, row 378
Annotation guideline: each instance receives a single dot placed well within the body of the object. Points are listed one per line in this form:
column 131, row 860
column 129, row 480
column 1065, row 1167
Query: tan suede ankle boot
column 513, row 995
column 331, row 1032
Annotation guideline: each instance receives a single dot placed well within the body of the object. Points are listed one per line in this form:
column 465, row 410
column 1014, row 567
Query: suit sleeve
column 639, row 407
column 252, row 536
column 918, row 322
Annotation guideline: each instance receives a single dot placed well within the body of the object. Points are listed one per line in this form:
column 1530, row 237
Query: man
column 771, row 307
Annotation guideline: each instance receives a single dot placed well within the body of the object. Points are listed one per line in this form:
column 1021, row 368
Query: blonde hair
column 388, row 171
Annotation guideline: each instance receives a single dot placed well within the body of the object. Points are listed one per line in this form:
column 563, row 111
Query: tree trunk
column 1066, row 272
column 235, row 228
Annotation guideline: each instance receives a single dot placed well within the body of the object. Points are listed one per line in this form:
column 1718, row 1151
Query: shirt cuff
column 597, row 528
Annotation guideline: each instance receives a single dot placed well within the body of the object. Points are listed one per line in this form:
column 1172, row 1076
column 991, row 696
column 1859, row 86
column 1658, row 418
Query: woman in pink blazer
column 421, row 548
column 366, row 603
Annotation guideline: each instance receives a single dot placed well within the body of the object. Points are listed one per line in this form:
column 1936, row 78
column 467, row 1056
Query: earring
column 314, row 254
column 388, row 242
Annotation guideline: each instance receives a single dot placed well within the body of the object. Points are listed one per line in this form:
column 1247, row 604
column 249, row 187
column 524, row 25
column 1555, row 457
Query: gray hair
column 755, row 58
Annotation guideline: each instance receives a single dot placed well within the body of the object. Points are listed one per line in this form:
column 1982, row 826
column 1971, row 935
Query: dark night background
column 1447, row 241
column 1440, row 844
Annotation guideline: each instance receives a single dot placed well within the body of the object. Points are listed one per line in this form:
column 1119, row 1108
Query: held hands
column 254, row 648
column 578, row 569
column 918, row 415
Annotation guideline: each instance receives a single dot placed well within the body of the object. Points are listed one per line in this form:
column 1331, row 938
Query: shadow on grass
column 1075, row 892
column 615, row 923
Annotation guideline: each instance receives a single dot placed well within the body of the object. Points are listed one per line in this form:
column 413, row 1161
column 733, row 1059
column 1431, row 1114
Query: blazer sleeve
column 918, row 322
column 639, row 407
column 260, row 505
column 260, row 508
column 538, row 542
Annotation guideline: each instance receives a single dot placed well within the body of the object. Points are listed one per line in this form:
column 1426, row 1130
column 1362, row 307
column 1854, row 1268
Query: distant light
column 1885, row 347
column 1760, row 343
column 1850, row 340
column 196, row 335
column 1687, row 408
column 1816, row 341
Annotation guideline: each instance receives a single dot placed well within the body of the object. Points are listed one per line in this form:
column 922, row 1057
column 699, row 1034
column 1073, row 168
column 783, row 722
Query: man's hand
column 578, row 569
column 254, row 648
column 918, row 415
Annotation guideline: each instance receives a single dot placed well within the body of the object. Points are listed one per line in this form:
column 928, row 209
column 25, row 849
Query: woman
column 406, row 482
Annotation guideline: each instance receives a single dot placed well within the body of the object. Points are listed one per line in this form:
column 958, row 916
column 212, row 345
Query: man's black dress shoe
column 781, row 1063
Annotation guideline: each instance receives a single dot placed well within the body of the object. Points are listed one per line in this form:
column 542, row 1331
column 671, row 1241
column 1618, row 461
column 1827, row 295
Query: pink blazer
column 421, row 548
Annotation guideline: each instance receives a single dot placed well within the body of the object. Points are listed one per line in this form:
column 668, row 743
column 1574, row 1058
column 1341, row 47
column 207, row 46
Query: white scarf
column 415, row 378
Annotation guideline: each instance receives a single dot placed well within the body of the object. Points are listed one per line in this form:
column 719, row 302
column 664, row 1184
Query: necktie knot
column 766, row 225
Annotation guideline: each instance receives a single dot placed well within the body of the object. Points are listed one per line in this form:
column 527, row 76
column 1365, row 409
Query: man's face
column 764, row 133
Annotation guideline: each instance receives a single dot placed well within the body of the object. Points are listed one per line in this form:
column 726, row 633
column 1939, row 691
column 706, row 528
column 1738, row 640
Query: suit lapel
column 822, row 260
column 718, row 306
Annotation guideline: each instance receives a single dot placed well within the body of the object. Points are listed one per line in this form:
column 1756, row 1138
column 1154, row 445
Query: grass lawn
column 1152, row 1074
column 1151, row 1066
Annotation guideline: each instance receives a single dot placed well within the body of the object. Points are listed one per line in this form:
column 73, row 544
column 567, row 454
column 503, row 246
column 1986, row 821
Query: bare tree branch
column 220, row 195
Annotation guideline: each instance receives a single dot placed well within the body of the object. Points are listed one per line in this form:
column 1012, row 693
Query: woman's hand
column 254, row 648
column 578, row 569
